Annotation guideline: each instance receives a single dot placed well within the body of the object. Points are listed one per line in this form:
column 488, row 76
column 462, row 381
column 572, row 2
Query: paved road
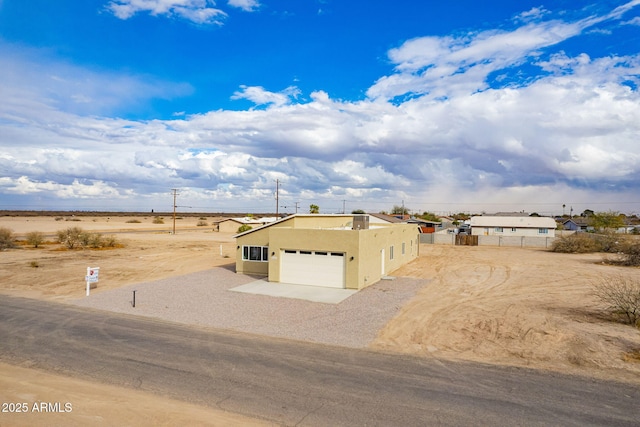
column 294, row 383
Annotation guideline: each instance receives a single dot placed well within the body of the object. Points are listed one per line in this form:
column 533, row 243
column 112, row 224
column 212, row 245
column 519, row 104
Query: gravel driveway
column 204, row 299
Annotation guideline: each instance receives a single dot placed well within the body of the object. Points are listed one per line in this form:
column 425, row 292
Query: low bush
column 110, row 242
column 578, row 243
column 133, row 221
column 76, row 237
column 35, row 238
column 610, row 242
column 71, row 237
column 621, row 297
column 6, row 238
column 630, row 254
column 158, row 220
column 202, row 223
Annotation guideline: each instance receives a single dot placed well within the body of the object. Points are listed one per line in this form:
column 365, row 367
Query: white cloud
column 197, row 11
column 259, row 96
column 633, row 21
column 246, row 5
column 532, row 14
column 567, row 136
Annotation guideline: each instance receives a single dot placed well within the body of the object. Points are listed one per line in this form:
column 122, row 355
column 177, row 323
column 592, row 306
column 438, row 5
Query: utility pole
column 344, row 207
column 175, row 194
column 297, row 203
column 277, row 195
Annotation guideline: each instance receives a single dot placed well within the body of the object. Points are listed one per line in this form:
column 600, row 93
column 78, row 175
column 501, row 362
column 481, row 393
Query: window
column 390, row 252
column 403, row 247
column 513, row 229
column 543, row 231
column 255, row 253
column 498, row 229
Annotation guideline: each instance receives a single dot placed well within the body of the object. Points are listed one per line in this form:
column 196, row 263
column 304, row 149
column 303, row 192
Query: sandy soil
column 522, row 307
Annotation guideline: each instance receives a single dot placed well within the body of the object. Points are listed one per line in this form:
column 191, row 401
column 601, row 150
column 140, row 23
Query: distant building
column 516, row 226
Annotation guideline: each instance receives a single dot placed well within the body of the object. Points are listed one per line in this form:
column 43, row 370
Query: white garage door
column 312, row 268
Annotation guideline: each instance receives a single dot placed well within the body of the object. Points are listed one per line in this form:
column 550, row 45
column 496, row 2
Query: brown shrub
column 578, row 243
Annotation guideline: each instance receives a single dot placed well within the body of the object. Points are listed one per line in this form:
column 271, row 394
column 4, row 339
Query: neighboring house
column 341, row 251
column 426, row 226
column 577, row 224
column 378, row 218
column 523, row 226
column 231, row 225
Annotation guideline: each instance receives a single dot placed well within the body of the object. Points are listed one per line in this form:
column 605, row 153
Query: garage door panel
column 313, row 268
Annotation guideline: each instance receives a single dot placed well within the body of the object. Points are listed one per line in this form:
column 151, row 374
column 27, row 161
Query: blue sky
column 465, row 106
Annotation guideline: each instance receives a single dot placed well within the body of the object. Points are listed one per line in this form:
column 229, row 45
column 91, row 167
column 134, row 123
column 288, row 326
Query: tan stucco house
column 340, row 251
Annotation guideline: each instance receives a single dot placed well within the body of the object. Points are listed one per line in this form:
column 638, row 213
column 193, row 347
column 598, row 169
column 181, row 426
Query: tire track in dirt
column 508, row 306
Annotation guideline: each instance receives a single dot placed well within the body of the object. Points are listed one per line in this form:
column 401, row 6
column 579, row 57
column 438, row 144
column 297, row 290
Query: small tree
column 243, row 228
column 314, row 209
column 429, row 216
column 6, row 238
column 607, row 221
column 621, row 297
column 399, row 210
column 357, row 212
column 35, row 238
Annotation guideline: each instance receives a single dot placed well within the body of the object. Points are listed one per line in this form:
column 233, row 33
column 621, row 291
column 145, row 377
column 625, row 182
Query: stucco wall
column 506, row 232
column 523, row 241
column 255, row 238
column 372, row 242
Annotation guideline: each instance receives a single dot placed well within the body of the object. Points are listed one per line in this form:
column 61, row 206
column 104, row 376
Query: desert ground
column 511, row 306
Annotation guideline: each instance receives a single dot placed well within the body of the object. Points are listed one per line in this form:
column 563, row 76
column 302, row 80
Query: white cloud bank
column 435, row 133
column 197, row 11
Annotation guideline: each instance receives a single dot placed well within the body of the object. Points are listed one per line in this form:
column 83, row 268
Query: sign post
column 91, row 277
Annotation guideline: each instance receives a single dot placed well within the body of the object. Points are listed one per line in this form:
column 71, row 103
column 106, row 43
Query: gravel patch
column 204, row 299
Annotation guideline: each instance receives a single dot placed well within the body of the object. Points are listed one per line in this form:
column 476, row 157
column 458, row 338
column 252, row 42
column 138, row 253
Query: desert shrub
column 76, row 237
column 110, row 241
column 94, row 240
column 243, row 228
column 630, row 254
column 133, row 221
column 72, row 237
column 203, row 218
column 35, row 238
column 578, row 243
column 610, row 242
column 158, row 220
column 621, row 297
column 202, row 223
column 34, row 264
column 6, row 238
